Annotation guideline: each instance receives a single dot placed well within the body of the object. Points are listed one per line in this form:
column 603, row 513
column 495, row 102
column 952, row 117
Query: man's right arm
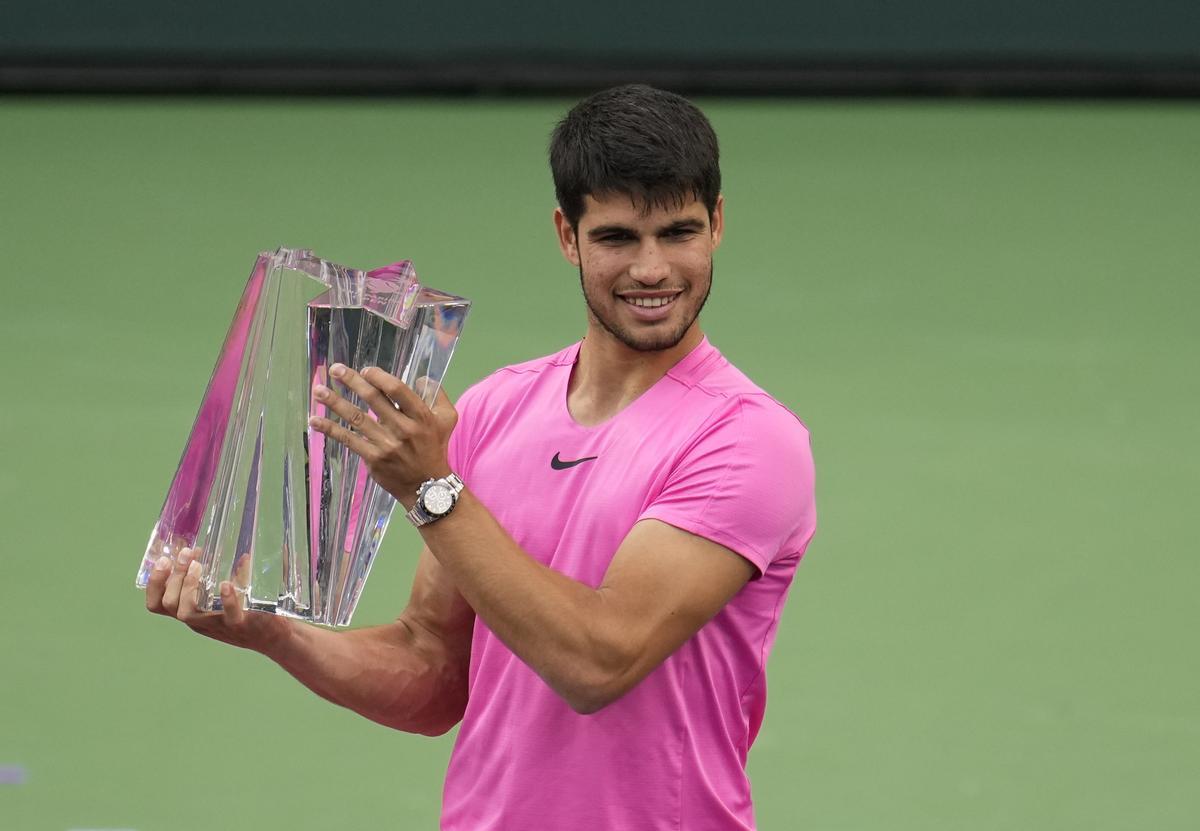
column 410, row 674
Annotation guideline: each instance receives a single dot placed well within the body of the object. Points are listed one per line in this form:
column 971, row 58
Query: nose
column 650, row 266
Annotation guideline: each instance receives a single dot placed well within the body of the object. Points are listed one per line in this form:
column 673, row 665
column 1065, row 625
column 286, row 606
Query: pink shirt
column 704, row 450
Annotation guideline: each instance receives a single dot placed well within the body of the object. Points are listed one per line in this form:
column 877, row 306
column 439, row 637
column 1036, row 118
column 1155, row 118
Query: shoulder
column 755, row 435
column 739, row 407
column 736, row 431
column 743, row 475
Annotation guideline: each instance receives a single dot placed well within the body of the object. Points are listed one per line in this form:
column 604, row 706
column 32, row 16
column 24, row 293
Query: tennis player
column 610, row 531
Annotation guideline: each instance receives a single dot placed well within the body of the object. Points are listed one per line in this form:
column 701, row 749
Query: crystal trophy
column 292, row 519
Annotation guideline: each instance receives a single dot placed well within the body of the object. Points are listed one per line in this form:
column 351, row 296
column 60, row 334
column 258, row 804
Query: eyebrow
column 681, row 225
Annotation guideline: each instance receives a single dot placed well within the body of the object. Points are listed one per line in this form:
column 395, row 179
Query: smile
column 650, row 302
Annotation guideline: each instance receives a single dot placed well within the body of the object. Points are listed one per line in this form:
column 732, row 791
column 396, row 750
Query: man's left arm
column 590, row 645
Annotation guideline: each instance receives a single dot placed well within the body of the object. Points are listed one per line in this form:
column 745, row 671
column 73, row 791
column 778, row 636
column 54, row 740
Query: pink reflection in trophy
column 295, row 521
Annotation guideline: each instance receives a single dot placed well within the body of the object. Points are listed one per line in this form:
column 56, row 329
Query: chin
column 655, row 344
column 655, row 339
column 641, row 336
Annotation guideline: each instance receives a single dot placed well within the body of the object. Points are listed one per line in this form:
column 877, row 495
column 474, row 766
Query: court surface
column 987, row 314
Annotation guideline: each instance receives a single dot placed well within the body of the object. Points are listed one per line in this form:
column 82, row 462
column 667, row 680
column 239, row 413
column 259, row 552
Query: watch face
column 437, row 499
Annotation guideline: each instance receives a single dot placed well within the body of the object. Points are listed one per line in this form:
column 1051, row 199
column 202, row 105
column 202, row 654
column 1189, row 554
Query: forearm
column 558, row 626
column 393, row 674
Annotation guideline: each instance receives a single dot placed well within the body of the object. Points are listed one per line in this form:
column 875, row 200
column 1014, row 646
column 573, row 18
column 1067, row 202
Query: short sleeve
column 745, row 481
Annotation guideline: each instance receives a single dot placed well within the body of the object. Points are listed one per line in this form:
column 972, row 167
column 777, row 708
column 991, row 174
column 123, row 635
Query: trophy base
column 285, row 606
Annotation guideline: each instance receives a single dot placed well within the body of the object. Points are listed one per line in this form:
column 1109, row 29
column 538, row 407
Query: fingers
column 357, row 420
column 157, row 584
column 338, row 433
column 173, row 587
column 396, row 405
column 189, row 590
column 231, row 605
column 382, row 405
column 407, row 401
column 169, row 604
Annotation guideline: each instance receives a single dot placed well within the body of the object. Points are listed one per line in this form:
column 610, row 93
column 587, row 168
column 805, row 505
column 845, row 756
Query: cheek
column 599, row 268
column 697, row 265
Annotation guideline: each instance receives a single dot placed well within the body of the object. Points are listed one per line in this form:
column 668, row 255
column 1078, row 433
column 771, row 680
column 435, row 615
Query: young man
column 610, row 532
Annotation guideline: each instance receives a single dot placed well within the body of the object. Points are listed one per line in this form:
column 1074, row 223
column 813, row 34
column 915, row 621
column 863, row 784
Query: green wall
column 696, row 32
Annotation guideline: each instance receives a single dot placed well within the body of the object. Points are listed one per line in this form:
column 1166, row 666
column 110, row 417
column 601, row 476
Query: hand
column 172, row 591
column 405, row 444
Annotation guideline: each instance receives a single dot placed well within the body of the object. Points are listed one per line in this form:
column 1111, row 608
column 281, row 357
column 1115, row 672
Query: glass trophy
column 291, row 518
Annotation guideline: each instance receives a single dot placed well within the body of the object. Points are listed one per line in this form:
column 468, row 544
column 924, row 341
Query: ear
column 717, row 221
column 568, row 243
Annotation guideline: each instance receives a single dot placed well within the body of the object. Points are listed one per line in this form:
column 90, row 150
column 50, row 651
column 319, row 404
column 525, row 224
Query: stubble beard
column 628, row 338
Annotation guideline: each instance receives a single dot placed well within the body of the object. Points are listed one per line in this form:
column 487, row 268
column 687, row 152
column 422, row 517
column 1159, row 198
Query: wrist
column 280, row 637
column 434, row 500
column 407, row 493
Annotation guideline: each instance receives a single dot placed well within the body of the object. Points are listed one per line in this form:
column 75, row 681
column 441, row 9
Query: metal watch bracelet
column 419, row 515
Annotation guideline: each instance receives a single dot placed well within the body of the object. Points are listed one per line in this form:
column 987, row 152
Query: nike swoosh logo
column 559, row 464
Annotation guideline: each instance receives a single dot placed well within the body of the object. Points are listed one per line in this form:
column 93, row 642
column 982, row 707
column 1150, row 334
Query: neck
column 609, row 375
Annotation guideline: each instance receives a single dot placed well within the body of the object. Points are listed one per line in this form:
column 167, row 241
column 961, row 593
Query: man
column 597, row 603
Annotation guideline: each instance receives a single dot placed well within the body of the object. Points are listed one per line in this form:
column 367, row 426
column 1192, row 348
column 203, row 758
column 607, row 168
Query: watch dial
column 438, row 499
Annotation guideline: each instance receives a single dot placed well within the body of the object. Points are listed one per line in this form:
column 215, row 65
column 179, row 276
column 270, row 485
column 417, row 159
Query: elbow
column 591, row 705
column 430, row 722
column 588, row 702
column 600, row 669
column 438, row 728
column 589, row 693
column 440, row 706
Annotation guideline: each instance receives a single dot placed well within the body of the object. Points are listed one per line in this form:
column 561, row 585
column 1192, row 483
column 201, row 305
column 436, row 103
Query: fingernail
column 162, row 563
column 363, row 372
column 320, row 391
column 193, row 567
column 185, row 556
column 226, row 589
column 337, row 370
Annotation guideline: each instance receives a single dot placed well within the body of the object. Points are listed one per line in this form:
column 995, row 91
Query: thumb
column 425, row 385
column 444, row 412
column 442, row 401
column 231, row 605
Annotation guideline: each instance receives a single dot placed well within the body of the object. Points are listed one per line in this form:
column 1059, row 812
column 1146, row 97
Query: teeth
column 648, row 302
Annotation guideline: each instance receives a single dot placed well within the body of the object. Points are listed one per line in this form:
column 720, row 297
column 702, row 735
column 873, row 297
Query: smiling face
column 645, row 273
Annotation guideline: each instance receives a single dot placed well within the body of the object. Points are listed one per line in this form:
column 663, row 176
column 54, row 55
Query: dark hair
column 653, row 145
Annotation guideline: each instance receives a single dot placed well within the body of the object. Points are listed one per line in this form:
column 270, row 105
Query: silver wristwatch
column 435, row 499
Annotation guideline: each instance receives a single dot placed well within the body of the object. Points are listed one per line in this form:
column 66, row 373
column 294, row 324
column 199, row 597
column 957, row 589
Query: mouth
column 650, row 305
column 650, row 299
column 648, row 302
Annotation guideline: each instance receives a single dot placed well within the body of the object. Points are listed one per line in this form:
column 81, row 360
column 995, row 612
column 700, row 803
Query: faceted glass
column 293, row 520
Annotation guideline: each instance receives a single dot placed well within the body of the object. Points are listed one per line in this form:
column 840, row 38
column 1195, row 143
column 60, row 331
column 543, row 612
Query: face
column 645, row 274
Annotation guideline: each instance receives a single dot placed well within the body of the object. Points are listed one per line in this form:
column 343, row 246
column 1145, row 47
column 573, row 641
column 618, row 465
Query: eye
column 614, row 238
column 680, row 233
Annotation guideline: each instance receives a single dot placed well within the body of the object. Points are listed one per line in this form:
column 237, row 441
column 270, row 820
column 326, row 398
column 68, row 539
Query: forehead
column 625, row 209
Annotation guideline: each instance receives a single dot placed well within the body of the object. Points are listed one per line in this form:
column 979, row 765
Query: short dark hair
column 654, row 145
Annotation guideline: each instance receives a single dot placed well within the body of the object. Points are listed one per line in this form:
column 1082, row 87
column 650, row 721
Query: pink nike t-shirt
column 705, row 450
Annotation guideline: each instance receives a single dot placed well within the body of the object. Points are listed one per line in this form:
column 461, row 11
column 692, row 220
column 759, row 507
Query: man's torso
column 671, row 753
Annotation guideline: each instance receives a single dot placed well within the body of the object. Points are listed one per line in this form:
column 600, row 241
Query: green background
column 986, row 314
